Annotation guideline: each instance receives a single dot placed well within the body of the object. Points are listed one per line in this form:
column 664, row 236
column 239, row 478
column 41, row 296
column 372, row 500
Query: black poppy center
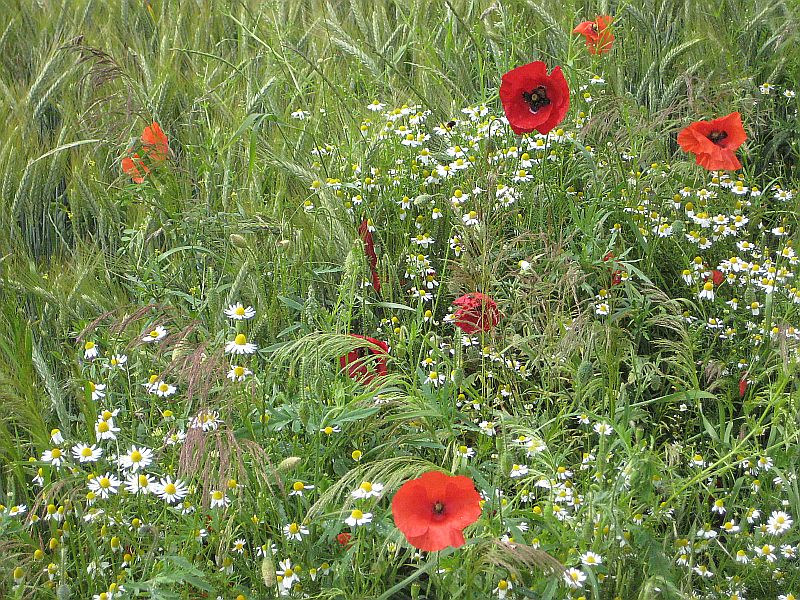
column 594, row 27
column 717, row 136
column 438, row 508
column 536, row 98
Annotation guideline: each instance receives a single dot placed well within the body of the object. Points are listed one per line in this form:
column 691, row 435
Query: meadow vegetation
column 220, row 358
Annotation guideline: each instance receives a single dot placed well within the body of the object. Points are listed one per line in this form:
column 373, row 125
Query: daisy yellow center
column 92, row 386
column 708, row 286
column 105, row 482
column 107, row 415
column 462, row 449
column 170, row 488
column 153, row 379
column 239, row 311
column 86, row 452
column 294, row 528
column 328, row 430
column 136, row 456
column 102, row 427
column 298, row 486
column 154, row 333
column 88, row 345
column 357, row 515
column 536, row 98
column 502, row 584
column 143, row 482
column 163, row 387
column 288, row 573
column 766, row 549
column 366, row 486
column 433, row 375
column 56, row 453
column 238, row 371
column 240, row 340
column 114, row 361
column 217, row 495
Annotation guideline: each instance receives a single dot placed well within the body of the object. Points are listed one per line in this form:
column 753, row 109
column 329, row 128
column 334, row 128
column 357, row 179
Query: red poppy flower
column 343, row 538
column 357, row 365
column 599, row 37
column 475, row 312
column 742, row 387
column 534, row 100
column 135, row 167
column 433, row 510
column 714, row 143
column 155, row 148
column 154, row 143
column 369, row 250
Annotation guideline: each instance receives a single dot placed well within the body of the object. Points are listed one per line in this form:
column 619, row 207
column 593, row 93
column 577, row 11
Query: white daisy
column 55, row 437
column 574, row 578
column 139, row 483
column 156, row 334
column 358, row 518
column 779, row 522
column 368, row 489
column 136, row 459
column 591, row 559
column 239, row 373
column 90, row 350
column 239, row 312
column 171, row 491
column 288, row 574
column 240, row 345
column 293, row 531
column 162, row 389
column 219, row 499
column 84, row 453
column 104, row 485
column 117, row 361
column 105, row 430
column 97, row 390
column 55, row 457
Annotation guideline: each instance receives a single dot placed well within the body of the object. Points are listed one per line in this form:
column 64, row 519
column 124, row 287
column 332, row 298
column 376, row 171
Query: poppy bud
column 585, row 372
column 238, row 240
column 289, row 463
column 268, row 572
column 742, row 387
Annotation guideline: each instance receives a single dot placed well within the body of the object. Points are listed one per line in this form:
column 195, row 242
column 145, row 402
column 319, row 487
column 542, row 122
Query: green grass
column 88, row 255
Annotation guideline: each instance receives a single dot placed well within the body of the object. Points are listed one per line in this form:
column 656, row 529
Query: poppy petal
column 155, row 143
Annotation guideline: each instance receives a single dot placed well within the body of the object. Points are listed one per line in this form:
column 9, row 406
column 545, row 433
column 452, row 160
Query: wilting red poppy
column 359, row 367
column 155, row 148
column 475, row 312
column 717, row 277
column 433, row 510
column 343, row 538
column 534, row 100
column 369, row 250
column 599, row 37
column 616, row 274
column 742, row 387
column 714, row 143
